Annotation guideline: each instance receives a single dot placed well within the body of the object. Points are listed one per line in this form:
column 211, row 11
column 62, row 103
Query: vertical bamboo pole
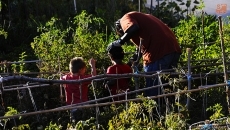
column 151, row 6
column 189, row 75
column 75, row 6
column 139, row 5
column 224, row 59
column 97, row 108
column 60, row 77
column 203, row 33
column 158, row 8
column 135, row 66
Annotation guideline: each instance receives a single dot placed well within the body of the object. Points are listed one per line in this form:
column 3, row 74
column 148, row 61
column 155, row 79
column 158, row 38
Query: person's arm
column 93, row 68
column 129, row 33
column 127, row 36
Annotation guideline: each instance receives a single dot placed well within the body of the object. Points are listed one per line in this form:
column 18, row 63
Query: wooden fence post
column 224, row 60
column 189, row 75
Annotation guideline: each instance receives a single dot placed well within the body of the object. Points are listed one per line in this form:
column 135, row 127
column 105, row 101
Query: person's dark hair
column 116, row 52
column 76, row 64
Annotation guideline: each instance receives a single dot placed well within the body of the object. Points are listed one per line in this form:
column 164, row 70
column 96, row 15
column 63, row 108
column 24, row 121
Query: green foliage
column 141, row 116
column 122, row 122
column 83, row 40
column 205, row 43
column 53, row 126
column 4, row 67
column 21, row 66
column 191, row 34
column 14, row 67
column 134, row 117
column 226, row 36
column 217, row 111
column 22, row 127
column 175, row 121
column 11, row 111
column 2, row 32
column 49, row 44
column 88, row 125
column 21, row 59
column 87, row 36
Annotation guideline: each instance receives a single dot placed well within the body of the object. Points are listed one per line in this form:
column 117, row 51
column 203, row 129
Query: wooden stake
column 224, row 60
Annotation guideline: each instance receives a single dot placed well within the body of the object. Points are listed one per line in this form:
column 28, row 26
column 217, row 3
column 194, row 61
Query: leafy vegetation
column 57, row 44
column 57, row 33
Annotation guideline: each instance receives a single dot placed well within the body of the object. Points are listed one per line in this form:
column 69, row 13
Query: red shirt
column 122, row 84
column 72, row 91
column 158, row 39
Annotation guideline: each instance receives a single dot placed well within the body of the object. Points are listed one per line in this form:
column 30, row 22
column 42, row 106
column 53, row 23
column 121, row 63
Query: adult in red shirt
column 119, row 85
column 159, row 47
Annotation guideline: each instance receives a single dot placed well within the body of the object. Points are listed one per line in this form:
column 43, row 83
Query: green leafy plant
column 22, row 127
column 89, row 124
column 135, row 117
column 57, row 44
column 11, row 111
column 217, row 111
column 190, row 35
column 21, row 66
column 175, row 121
column 53, row 126
column 21, row 59
column 2, row 32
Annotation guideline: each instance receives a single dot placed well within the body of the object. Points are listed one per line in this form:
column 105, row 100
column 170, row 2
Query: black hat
column 115, row 51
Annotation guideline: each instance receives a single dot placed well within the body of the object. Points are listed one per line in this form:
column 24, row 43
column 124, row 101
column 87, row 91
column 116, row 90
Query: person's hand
column 92, row 62
column 112, row 44
column 116, row 43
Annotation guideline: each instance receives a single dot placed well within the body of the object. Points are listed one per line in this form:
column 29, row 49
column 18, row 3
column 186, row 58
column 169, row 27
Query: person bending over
column 159, row 46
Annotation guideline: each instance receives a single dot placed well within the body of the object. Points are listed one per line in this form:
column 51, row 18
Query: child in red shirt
column 120, row 85
column 76, row 93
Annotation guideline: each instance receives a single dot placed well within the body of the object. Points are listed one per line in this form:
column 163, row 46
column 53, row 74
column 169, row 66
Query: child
column 121, row 85
column 76, row 93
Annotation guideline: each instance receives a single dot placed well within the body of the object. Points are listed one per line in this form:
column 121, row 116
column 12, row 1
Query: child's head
column 115, row 52
column 77, row 65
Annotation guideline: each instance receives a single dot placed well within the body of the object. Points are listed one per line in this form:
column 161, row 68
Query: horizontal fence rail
column 42, row 82
column 19, row 62
column 115, row 102
column 98, row 77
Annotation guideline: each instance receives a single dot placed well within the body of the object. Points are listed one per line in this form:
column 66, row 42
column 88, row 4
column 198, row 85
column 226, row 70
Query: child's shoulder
column 122, row 67
column 86, row 76
column 65, row 76
column 75, row 77
column 126, row 66
column 119, row 66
